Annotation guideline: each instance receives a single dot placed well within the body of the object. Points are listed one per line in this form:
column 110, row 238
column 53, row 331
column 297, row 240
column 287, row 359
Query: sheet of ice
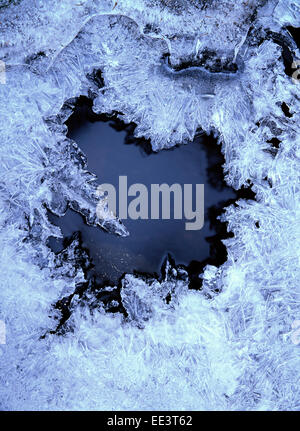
column 237, row 349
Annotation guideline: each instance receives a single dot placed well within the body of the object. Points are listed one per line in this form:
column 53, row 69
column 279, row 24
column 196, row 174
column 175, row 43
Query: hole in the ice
column 209, row 61
column 112, row 151
column 286, row 110
column 275, row 142
column 35, row 57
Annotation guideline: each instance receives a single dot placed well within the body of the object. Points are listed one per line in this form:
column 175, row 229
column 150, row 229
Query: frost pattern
column 214, row 65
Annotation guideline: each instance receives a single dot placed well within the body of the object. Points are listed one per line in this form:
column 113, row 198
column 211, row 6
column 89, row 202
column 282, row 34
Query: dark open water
column 112, row 152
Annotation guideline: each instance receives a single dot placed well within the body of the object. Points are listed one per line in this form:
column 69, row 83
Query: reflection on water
column 112, row 153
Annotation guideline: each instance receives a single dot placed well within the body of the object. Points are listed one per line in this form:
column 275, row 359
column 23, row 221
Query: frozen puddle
column 112, row 153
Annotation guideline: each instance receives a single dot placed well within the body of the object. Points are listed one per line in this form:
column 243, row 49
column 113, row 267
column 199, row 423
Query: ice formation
column 172, row 68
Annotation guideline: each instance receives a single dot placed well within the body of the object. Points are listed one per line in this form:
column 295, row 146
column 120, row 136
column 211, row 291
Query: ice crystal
column 172, row 68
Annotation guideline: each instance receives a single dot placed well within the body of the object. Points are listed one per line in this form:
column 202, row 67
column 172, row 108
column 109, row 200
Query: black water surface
column 112, row 151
